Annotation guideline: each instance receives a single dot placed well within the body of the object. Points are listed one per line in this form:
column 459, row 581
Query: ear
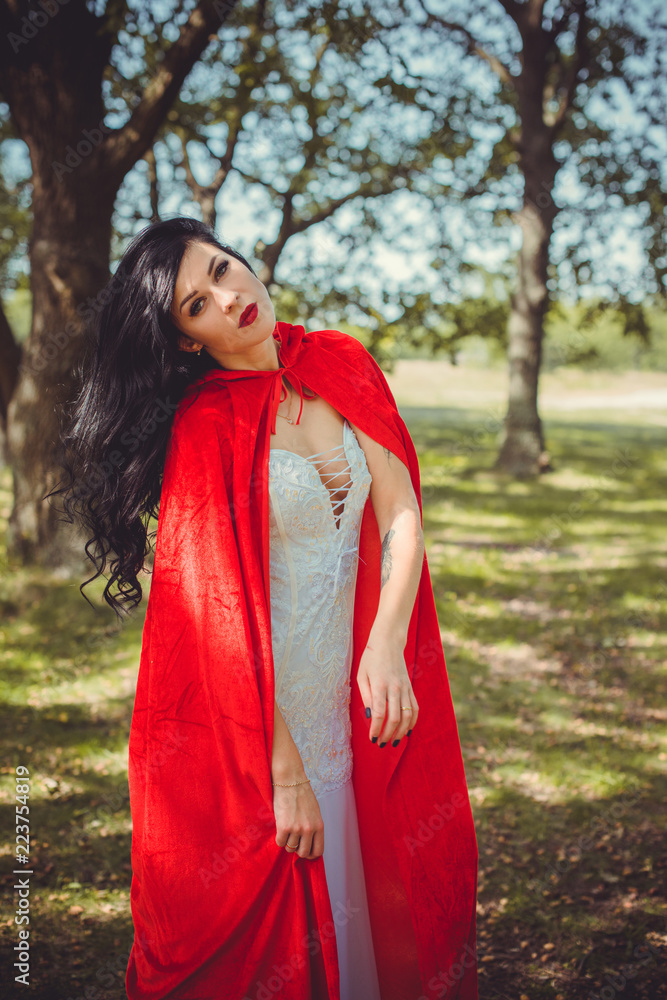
column 185, row 344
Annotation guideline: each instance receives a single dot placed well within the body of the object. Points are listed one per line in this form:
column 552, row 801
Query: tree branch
column 123, row 147
column 578, row 62
column 289, row 225
column 366, row 190
column 149, row 157
column 474, row 48
column 205, row 195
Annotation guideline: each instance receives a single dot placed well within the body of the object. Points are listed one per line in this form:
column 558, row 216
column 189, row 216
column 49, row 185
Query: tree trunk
column 69, row 266
column 523, row 449
column 522, row 452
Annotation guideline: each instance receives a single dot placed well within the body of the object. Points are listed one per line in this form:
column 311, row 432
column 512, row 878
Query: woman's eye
column 218, row 274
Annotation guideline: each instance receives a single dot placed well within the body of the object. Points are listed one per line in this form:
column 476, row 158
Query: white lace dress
column 315, row 519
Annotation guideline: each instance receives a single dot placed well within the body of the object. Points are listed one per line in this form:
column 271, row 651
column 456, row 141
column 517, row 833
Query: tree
column 53, row 84
column 539, row 85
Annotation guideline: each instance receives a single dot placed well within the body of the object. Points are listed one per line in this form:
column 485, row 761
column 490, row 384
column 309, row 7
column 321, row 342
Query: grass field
column 551, row 599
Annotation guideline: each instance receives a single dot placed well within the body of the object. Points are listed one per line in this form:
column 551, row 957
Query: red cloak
column 220, row 911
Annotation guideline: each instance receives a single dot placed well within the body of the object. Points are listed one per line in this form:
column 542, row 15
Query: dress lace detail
column 314, row 524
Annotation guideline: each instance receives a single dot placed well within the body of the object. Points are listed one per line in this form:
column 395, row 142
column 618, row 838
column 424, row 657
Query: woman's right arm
column 296, row 809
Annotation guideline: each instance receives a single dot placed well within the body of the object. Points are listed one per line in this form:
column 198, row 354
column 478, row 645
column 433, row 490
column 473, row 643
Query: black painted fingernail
column 409, row 731
column 395, row 743
column 383, row 744
column 374, row 740
column 368, row 713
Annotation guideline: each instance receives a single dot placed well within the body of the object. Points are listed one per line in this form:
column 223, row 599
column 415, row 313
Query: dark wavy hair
column 132, row 376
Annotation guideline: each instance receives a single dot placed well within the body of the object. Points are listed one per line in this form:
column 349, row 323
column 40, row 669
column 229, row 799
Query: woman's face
column 213, row 290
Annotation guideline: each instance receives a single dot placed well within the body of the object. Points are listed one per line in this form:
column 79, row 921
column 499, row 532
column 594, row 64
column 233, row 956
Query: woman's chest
column 320, row 439
column 320, row 490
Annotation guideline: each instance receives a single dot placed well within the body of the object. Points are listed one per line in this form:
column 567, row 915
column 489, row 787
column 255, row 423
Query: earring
column 199, row 352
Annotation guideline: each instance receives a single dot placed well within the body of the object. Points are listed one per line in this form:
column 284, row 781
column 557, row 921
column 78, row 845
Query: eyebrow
column 210, row 268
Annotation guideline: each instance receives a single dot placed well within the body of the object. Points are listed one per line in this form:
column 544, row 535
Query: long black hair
column 117, row 429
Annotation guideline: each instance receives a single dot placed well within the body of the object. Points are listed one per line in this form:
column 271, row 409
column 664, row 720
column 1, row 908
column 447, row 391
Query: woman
column 294, row 834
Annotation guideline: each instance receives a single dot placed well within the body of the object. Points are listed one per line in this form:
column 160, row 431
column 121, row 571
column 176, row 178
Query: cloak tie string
column 277, row 393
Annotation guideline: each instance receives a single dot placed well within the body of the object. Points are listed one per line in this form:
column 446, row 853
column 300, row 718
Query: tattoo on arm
column 387, row 452
column 385, row 558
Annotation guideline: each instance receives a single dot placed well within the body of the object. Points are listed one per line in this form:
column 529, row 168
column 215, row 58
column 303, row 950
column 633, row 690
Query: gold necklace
column 289, row 397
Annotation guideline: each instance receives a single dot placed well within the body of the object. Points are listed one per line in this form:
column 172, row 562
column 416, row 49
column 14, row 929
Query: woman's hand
column 298, row 820
column 384, row 684
column 383, row 677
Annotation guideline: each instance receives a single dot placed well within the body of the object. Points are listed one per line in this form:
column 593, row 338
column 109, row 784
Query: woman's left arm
column 383, row 678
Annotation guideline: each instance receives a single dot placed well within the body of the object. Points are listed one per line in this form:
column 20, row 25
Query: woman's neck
column 263, row 357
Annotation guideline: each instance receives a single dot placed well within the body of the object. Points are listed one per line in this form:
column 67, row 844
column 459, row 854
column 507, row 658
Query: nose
column 226, row 297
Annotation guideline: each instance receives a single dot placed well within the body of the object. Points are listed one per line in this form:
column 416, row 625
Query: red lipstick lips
column 249, row 315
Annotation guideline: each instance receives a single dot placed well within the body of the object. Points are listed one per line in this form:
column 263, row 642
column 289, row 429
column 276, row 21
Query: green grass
column 67, row 682
column 551, row 599
column 554, row 628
